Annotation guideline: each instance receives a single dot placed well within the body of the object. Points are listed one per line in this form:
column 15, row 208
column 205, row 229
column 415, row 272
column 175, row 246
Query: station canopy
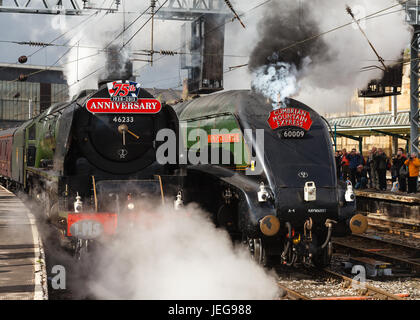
column 372, row 124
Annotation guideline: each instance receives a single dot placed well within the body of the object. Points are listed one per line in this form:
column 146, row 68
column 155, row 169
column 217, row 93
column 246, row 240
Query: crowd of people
column 370, row 171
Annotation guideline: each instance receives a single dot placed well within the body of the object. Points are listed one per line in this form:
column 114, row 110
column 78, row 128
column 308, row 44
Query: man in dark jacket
column 361, row 177
column 355, row 159
column 373, row 173
column 381, row 161
column 338, row 157
column 398, row 163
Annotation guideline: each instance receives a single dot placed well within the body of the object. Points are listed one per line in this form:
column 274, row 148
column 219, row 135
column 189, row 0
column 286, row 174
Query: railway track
column 314, row 284
column 290, row 294
column 377, row 247
column 406, row 228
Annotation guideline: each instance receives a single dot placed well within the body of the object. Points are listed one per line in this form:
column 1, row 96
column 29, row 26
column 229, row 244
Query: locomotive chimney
column 117, row 66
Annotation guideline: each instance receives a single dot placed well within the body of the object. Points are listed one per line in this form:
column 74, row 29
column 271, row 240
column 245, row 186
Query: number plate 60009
column 292, row 134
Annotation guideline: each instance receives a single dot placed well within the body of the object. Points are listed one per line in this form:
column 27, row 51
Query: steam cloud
column 277, row 81
column 281, row 26
column 86, row 63
column 328, row 68
column 276, row 71
column 178, row 255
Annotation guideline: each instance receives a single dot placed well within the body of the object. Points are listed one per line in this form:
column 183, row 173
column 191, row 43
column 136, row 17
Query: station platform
column 393, row 204
column 388, row 195
column 22, row 261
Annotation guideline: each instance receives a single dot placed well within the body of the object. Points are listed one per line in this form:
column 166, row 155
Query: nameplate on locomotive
column 290, row 118
column 123, row 98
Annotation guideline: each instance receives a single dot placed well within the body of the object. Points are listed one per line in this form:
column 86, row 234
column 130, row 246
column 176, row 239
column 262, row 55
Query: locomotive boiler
column 276, row 191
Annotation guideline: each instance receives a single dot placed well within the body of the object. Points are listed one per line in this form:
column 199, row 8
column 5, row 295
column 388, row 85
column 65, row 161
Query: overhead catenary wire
column 127, row 27
column 93, row 72
column 73, row 46
column 370, row 16
column 131, row 38
column 68, row 31
column 121, row 33
column 367, row 17
column 175, row 87
column 217, row 27
column 234, row 13
column 141, row 28
column 64, row 54
column 380, row 59
column 43, row 45
column 172, row 53
column 152, row 7
column 60, row 36
column 374, row 14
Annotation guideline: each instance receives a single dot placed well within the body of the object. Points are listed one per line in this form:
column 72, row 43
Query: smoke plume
column 177, row 255
column 277, row 71
column 282, row 26
column 327, row 68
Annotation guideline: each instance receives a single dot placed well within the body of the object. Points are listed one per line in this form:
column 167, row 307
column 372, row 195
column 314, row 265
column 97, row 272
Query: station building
column 22, row 100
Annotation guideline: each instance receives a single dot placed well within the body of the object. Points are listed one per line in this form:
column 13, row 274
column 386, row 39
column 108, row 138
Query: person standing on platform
column 394, row 173
column 355, row 159
column 373, row 173
column 381, row 166
column 345, row 165
column 413, row 164
column 361, row 177
column 398, row 163
column 338, row 157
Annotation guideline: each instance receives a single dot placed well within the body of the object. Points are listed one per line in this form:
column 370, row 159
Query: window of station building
column 15, row 97
column 59, row 93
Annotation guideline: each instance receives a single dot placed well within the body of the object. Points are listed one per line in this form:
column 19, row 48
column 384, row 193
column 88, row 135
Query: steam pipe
column 329, row 224
column 327, row 239
column 286, row 250
column 291, row 263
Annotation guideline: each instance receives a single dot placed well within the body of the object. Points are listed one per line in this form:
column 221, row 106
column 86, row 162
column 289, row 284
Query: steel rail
column 292, row 294
column 377, row 254
column 410, row 234
column 393, row 222
column 367, row 291
column 368, row 287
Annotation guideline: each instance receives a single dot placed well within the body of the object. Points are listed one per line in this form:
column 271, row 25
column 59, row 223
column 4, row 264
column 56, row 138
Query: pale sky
column 165, row 73
column 325, row 87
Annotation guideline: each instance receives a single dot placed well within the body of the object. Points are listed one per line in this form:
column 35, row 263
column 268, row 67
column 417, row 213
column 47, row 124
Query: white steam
column 329, row 86
column 332, row 86
column 84, row 64
column 276, row 81
column 178, row 255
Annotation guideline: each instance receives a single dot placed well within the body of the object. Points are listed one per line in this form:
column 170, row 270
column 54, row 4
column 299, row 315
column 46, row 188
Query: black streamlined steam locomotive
column 278, row 194
column 104, row 160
